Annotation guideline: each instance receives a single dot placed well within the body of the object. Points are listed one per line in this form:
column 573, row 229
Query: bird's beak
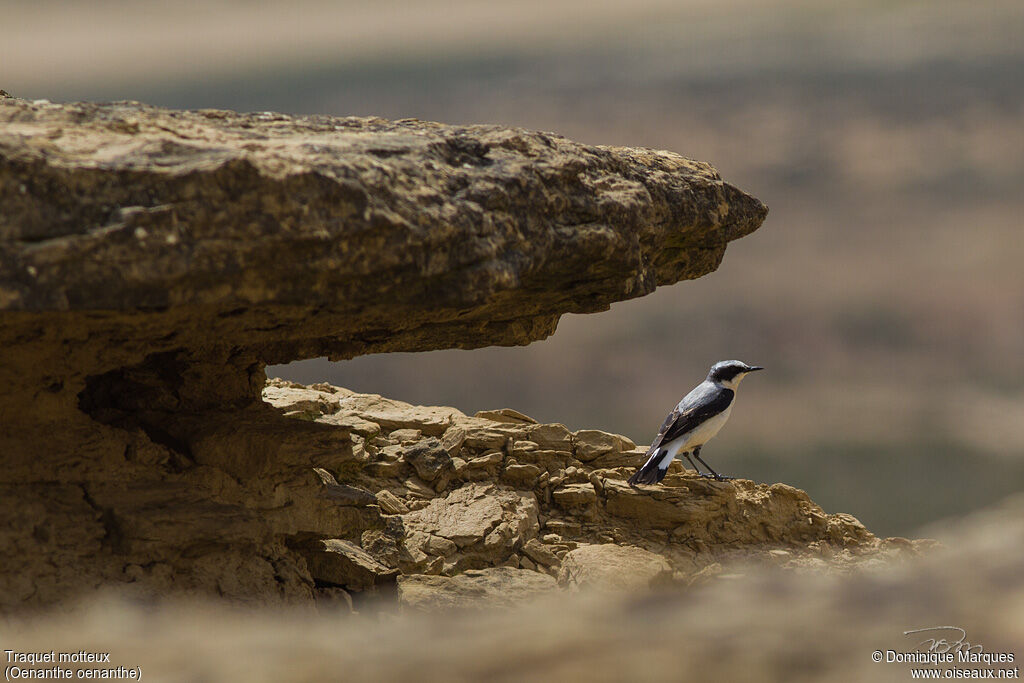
column 755, row 368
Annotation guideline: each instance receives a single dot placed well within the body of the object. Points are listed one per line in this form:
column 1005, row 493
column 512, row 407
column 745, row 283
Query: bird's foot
column 716, row 477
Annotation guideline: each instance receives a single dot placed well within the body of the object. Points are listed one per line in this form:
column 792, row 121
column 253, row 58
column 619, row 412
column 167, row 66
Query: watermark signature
column 942, row 649
column 942, row 645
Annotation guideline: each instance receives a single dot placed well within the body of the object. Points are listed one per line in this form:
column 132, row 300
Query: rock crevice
column 152, row 262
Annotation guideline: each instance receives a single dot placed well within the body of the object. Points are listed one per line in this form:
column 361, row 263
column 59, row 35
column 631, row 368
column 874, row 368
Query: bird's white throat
column 734, row 382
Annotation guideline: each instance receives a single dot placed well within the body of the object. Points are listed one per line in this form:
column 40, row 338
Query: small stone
column 437, row 545
column 553, row 437
column 539, row 553
column 521, row 476
column 460, row 466
column 405, row 436
column 488, row 459
column 383, row 546
column 353, row 423
column 485, row 438
column 431, row 461
column 474, row 512
column 591, row 443
column 390, row 503
column 575, row 498
column 506, row 415
column 343, row 563
column 453, row 439
column 499, row 537
column 391, row 452
column 345, row 495
column 418, row 489
column 385, row 470
column 563, row 527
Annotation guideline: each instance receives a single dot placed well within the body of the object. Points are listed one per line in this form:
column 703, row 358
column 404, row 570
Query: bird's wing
column 699, row 405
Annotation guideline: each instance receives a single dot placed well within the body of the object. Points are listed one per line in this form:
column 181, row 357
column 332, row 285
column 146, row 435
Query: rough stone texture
column 766, row 626
column 153, row 261
column 540, row 553
column 345, row 564
column 431, row 461
column 475, row 588
column 613, row 567
column 485, row 523
column 518, row 503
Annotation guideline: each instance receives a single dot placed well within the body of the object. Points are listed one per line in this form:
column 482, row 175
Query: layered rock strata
column 505, row 492
column 153, row 261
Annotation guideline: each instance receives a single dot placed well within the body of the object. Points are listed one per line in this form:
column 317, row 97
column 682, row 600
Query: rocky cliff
column 153, row 261
column 494, row 508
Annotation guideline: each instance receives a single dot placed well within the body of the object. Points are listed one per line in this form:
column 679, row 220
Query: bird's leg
column 696, row 469
column 715, row 475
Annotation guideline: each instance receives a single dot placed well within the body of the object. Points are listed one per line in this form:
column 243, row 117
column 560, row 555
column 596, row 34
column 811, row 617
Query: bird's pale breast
column 705, row 431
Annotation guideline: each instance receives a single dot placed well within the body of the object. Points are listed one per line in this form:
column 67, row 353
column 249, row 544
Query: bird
column 696, row 419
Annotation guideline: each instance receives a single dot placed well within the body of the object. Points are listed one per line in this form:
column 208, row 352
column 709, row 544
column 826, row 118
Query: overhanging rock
column 152, row 261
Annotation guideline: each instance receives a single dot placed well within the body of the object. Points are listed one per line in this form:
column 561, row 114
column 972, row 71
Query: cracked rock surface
column 153, row 261
column 478, row 539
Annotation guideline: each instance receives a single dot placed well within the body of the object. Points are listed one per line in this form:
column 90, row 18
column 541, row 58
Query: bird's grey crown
column 726, row 370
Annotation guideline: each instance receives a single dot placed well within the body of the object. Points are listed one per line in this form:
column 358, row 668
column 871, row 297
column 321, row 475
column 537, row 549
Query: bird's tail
column 650, row 473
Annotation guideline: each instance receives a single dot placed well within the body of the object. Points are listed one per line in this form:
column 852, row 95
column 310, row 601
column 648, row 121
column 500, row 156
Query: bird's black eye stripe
column 727, row 373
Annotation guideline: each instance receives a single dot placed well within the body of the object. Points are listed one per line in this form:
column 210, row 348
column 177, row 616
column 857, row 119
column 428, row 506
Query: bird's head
column 729, row 373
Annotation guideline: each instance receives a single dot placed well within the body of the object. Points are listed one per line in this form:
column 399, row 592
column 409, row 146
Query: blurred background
column 885, row 292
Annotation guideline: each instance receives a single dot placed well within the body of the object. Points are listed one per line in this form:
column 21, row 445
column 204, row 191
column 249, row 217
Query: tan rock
column 405, row 436
column 390, row 503
column 613, row 567
column 385, row 545
column 345, row 564
column 154, row 261
column 634, row 457
column 386, row 470
column 431, row 461
column 439, row 546
column 575, row 498
column 485, row 438
column 418, row 488
column 523, row 446
column 591, row 443
column 453, row 439
column 553, row 437
column 505, row 415
column 298, row 399
column 481, row 589
column 500, row 537
column 391, row 414
column 540, row 553
column 352, row 423
column 468, row 514
column 521, row 476
column 489, row 459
